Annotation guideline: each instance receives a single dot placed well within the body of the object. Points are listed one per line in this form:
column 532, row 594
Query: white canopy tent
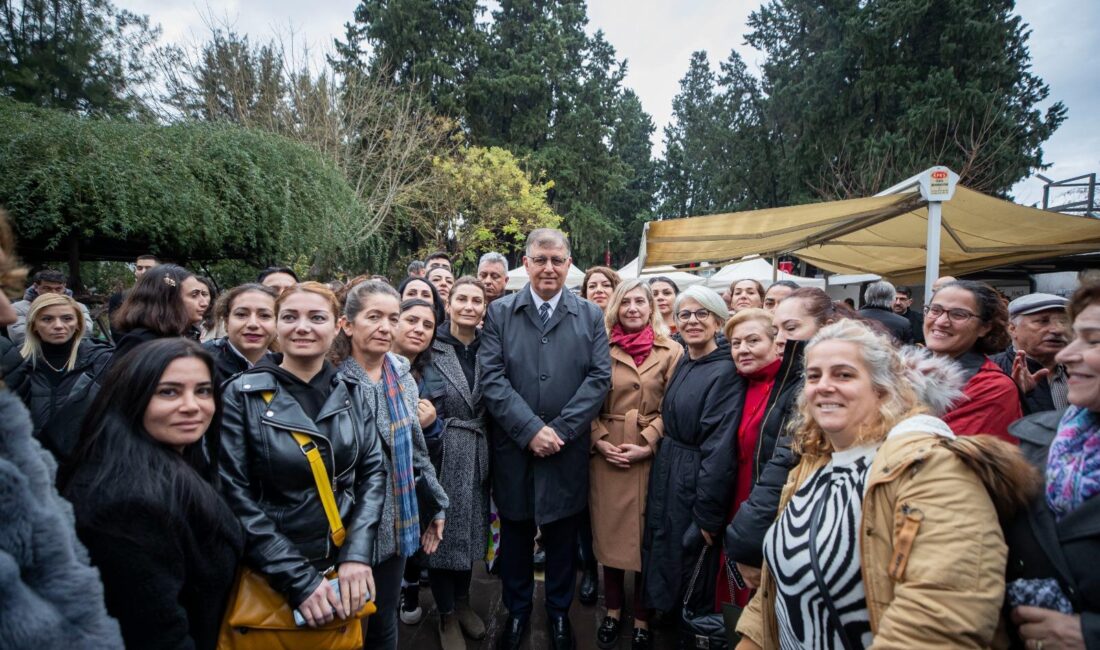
column 760, row 270
column 682, row 279
column 517, row 277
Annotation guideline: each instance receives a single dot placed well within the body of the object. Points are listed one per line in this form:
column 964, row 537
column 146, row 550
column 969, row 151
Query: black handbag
column 706, row 630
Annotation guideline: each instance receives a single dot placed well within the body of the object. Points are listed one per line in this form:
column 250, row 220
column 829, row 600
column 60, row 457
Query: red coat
column 992, row 403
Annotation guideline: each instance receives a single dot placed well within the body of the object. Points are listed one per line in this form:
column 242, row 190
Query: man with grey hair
column 878, row 306
column 545, row 370
column 492, row 270
column 417, row 269
column 1040, row 328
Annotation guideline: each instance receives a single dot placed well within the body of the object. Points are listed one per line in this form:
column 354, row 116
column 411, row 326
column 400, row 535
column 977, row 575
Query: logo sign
column 939, row 187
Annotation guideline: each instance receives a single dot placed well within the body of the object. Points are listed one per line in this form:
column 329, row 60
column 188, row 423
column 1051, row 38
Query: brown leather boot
column 471, row 623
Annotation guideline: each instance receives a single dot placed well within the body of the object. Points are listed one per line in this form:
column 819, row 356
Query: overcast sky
column 657, row 38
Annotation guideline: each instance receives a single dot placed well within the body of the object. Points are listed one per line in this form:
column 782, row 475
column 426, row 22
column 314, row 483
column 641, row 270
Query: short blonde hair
column 611, row 318
column 745, row 315
column 32, row 344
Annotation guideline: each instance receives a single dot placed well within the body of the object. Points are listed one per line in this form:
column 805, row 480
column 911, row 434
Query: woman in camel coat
column 624, row 439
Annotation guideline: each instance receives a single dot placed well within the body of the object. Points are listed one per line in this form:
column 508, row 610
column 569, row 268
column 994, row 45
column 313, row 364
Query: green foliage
column 484, row 201
column 531, row 81
column 80, row 55
column 863, row 94
column 187, row 192
column 427, row 44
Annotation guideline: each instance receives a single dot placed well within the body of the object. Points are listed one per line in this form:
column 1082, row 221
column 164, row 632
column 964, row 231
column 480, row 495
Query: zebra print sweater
column 803, row 617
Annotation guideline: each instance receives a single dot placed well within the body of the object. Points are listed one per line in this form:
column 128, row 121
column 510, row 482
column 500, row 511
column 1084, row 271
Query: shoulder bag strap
column 320, row 477
column 819, row 577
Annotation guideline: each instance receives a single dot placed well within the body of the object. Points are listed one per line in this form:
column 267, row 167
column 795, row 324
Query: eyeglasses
column 700, row 315
column 558, row 262
column 934, row 311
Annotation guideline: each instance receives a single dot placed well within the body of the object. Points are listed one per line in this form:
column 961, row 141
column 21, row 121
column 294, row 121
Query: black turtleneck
column 56, row 356
column 467, row 354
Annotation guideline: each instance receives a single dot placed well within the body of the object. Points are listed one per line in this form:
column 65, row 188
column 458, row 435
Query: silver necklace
column 47, row 362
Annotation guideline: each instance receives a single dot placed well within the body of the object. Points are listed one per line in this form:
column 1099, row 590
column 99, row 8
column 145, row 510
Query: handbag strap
column 819, row 577
column 320, row 477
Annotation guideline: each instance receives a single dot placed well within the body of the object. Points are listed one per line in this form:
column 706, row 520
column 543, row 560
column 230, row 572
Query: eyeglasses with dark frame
column 957, row 316
column 557, row 262
column 700, row 315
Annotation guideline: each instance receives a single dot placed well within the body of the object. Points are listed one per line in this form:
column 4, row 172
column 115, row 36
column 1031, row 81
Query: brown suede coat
column 630, row 414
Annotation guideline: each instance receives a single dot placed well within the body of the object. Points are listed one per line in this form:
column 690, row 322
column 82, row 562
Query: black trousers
column 381, row 627
column 517, row 541
column 449, row 587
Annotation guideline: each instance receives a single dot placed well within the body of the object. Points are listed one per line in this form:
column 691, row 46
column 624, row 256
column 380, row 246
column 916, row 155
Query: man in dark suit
column 546, row 368
column 878, row 305
column 903, row 306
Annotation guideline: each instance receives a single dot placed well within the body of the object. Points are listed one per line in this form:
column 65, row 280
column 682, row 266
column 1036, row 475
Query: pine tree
column 690, row 145
column 431, row 45
column 865, row 93
column 77, row 55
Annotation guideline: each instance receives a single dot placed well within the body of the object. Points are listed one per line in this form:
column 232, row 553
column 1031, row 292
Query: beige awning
column 885, row 235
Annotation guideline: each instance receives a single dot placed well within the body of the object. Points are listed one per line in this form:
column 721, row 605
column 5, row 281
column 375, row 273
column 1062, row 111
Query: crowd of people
column 769, row 468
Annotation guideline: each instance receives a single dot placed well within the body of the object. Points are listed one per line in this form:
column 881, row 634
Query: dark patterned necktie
column 544, row 312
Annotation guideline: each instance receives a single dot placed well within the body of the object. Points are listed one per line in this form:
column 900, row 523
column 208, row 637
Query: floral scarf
column 408, row 516
column 637, row 344
column 1073, row 466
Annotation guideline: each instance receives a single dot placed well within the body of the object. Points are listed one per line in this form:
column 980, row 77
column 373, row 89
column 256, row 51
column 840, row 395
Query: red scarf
column 637, row 344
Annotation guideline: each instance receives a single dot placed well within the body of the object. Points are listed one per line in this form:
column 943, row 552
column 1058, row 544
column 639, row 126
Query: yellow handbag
column 259, row 618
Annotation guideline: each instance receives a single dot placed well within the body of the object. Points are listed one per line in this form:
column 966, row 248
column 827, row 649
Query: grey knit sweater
column 374, row 394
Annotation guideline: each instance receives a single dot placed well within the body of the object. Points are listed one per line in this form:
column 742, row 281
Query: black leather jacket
column 268, row 482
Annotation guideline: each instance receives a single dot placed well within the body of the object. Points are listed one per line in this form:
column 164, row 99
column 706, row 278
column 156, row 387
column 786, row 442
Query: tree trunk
column 75, row 283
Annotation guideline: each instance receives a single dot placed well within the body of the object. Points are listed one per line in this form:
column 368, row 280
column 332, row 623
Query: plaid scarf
column 1073, row 467
column 407, row 520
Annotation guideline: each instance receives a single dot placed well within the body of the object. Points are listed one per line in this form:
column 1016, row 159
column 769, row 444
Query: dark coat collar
column 524, row 299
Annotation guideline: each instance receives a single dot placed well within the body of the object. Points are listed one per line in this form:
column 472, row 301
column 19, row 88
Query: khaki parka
column 932, row 552
column 631, row 414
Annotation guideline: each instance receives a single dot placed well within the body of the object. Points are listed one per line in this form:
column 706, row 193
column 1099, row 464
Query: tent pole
column 775, row 269
column 932, row 257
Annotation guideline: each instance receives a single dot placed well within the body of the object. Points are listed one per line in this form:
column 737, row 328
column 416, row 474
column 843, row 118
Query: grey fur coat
column 385, row 547
column 49, row 595
column 464, row 470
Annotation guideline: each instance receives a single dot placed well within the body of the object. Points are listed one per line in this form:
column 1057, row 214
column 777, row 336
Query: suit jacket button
column 545, row 340
column 637, row 386
column 542, row 377
column 270, row 413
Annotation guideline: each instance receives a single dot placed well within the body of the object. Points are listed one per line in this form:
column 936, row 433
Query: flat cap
column 1033, row 303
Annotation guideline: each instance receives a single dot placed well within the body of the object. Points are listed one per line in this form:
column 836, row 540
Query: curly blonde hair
column 888, row 375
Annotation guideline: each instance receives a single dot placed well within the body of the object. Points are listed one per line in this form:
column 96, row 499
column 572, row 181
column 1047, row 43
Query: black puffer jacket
column 691, row 481
column 774, row 460
column 1042, row 547
column 57, row 409
column 268, row 482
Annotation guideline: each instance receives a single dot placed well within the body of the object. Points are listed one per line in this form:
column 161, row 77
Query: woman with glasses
column 967, row 321
column 691, row 481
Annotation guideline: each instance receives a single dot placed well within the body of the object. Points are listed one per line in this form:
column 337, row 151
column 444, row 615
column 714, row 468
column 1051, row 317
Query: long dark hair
column 121, row 455
column 156, row 303
column 417, row 365
column 437, row 301
column 992, row 310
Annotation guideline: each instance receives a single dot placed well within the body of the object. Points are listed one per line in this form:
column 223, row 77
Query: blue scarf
column 408, row 517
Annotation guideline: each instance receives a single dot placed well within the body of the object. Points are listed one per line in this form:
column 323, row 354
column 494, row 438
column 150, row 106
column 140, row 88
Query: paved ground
column 485, row 598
